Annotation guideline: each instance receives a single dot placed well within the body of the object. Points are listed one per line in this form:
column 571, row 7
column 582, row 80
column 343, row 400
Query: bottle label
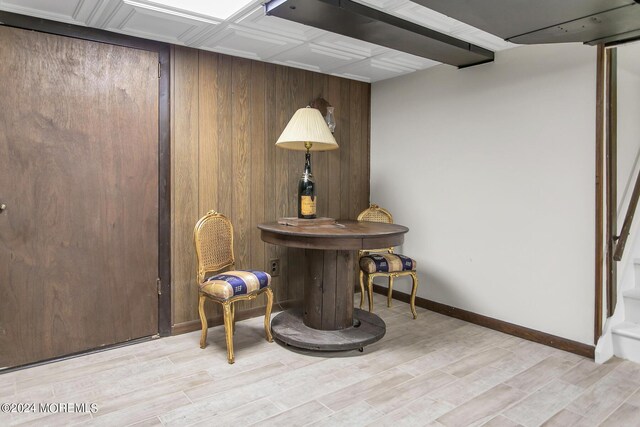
column 308, row 205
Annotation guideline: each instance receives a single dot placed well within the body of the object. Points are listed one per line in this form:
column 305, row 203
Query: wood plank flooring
column 433, row 371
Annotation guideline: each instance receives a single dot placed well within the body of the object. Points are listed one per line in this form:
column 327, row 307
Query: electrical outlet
column 274, row 267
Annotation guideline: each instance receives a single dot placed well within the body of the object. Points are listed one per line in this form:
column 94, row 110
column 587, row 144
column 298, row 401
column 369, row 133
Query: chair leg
column 361, row 288
column 267, row 315
column 203, row 320
column 370, row 291
column 233, row 318
column 390, row 290
column 414, row 289
column 228, row 329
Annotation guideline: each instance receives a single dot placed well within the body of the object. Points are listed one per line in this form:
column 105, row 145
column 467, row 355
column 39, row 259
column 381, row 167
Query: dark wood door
column 79, row 178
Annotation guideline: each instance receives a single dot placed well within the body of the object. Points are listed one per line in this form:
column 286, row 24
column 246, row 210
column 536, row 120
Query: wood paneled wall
column 227, row 114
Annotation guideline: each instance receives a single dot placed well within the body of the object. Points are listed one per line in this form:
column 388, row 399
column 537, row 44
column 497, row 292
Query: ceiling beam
column 547, row 21
column 355, row 20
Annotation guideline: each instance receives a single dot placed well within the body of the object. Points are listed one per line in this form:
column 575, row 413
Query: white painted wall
column 492, row 169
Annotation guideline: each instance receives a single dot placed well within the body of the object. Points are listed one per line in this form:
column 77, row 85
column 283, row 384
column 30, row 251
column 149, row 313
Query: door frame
column 164, row 133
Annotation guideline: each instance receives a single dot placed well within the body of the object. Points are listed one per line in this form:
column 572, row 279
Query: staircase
column 621, row 332
column 626, row 335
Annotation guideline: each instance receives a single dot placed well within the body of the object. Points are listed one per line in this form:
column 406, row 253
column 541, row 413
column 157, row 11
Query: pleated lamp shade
column 307, row 126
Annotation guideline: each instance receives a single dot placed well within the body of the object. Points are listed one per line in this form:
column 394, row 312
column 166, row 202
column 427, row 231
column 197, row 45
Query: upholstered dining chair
column 383, row 262
column 213, row 236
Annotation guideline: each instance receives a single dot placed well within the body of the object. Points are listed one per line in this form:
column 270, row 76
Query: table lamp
column 307, row 130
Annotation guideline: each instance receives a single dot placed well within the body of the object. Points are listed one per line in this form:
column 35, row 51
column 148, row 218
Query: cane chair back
column 375, row 213
column 213, row 235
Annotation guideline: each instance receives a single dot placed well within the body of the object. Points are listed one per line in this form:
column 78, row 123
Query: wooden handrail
column 628, row 220
column 611, row 154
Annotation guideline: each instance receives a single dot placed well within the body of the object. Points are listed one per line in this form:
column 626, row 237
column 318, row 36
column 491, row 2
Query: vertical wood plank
column 225, row 135
column 313, row 288
column 321, row 167
column 356, row 177
column 240, row 160
column 365, row 146
column 329, row 286
column 345, row 156
column 333, row 157
column 282, row 116
column 185, row 182
column 345, row 274
column 298, row 94
column 301, row 85
column 258, row 144
column 209, row 143
column 272, row 127
column 208, row 161
column 297, row 97
column 364, row 189
column 241, row 163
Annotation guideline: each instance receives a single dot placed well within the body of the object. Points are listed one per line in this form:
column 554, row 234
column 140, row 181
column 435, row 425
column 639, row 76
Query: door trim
column 599, row 193
column 164, row 128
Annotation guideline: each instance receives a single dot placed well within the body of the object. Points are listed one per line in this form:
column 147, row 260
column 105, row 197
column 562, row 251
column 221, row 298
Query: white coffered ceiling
column 248, row 33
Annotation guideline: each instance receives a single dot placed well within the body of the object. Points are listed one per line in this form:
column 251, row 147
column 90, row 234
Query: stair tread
column 627, row 329
column 632, row 293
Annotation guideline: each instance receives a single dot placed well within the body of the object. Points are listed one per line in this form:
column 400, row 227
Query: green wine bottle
column 307, row 192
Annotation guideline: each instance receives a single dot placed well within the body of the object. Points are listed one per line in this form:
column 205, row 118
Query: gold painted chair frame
column 377, row 214
column 369, row 278
column 223, row 262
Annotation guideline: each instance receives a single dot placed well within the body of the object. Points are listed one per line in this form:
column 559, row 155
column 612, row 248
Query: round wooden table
column 328, row 320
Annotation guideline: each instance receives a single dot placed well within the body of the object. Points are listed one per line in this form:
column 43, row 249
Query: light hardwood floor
column 433, row 371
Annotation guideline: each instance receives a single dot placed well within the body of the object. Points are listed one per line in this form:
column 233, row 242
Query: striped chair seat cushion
column 386, row 263
column 232, row 283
